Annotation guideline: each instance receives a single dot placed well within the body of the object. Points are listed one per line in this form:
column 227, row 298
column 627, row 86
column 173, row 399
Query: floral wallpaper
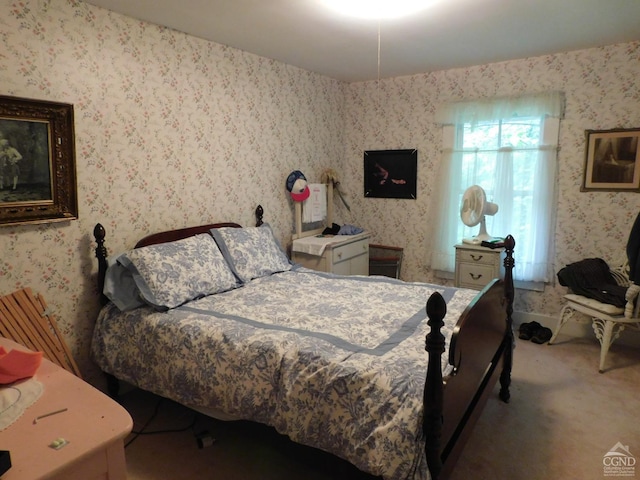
column 602, row 92
column 172, row 130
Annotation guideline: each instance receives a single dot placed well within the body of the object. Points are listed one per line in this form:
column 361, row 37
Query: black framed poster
column 390, row 173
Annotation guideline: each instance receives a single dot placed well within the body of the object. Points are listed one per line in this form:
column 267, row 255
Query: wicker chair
column 608, row 321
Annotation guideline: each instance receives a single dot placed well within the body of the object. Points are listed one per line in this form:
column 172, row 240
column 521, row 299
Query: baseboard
column 629, row 338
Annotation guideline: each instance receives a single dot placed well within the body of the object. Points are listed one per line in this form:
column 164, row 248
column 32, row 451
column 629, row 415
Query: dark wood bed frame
column 480, row 353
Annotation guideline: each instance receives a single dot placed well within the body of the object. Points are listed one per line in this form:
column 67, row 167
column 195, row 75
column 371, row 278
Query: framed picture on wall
column 37, row 162
column 390, row 173
column 612, row 160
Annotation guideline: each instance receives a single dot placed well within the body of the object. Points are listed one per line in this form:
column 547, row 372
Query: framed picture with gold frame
column 37, row 162
column 612, row 160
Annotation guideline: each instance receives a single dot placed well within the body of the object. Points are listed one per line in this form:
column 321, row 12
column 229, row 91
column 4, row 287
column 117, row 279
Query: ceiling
column 449, row 34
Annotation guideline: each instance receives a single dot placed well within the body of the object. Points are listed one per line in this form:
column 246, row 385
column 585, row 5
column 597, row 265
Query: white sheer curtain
column 486, row 109
column 526, row 198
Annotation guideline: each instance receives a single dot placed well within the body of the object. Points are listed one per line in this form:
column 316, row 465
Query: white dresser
column 476, row 266
column 341, row 254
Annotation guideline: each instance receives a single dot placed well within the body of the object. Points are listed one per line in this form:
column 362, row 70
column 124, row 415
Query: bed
column 265, row 340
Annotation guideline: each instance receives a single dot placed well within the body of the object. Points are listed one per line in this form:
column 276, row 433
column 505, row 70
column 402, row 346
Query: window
column 508, row 147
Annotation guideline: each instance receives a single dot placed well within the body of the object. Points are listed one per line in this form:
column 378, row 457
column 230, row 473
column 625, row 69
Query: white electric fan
column 473, row 210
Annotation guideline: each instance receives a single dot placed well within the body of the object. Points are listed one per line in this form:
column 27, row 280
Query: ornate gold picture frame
column 37, row 162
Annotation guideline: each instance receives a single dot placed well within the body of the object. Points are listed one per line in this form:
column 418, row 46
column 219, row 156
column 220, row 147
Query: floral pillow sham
column 170, row 274
column 252, row 252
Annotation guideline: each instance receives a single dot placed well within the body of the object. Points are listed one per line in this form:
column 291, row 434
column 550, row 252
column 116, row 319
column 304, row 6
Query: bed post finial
column 259, row 214
column 101, row 254
column 509, row 294
column 434, row 387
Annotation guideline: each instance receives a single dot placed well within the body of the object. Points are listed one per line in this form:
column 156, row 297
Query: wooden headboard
column 173, row 235
column 99, row 234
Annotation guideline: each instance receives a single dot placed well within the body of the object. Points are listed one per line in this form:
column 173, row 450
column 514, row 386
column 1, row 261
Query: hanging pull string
column 378, row 81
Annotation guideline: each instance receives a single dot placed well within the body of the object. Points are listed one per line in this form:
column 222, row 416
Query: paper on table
column 314, row 208
column 15, row 398
column 315, row 245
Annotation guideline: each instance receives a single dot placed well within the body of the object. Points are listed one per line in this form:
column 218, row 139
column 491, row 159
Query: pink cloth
column 17, row 364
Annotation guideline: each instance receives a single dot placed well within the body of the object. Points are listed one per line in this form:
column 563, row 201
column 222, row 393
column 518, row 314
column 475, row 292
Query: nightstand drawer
column 477, row 266
column 475, row 275
column 476, row 257
column 350, row 250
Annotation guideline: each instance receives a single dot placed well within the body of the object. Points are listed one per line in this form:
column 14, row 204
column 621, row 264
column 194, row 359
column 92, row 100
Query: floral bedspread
column 337, row 363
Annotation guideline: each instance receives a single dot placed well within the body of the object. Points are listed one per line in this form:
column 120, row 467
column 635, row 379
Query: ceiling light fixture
column 378, row 9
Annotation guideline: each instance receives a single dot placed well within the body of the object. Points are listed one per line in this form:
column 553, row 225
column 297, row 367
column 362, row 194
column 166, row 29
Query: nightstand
column 476, row 266
column 341, row 254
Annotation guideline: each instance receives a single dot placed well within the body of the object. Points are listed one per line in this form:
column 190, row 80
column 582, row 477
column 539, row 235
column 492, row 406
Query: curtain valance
column 487, row 109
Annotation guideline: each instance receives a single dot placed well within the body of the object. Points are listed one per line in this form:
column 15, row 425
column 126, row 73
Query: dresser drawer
column 475, row 275
column 350, row 250
column 342, row 254
column 476, row 256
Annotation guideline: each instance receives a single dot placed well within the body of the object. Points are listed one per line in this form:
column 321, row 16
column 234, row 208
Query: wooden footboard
column 480, row 353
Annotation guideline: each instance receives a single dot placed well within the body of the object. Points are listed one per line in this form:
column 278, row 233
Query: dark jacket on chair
column 592, row 278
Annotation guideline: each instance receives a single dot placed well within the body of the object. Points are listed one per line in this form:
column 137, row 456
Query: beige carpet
column 563, row 418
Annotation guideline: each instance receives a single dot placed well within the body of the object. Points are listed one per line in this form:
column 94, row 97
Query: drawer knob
column 476, row 277
column 476, row 258
column 339, row 254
